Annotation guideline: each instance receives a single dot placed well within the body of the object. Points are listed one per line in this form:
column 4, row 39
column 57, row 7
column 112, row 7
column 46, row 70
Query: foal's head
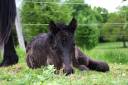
column 63, row 42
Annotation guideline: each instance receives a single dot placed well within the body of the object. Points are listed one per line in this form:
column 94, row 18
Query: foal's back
column 37, row 51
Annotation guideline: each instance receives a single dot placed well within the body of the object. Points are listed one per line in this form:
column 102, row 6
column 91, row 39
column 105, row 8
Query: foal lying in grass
column 57, row 47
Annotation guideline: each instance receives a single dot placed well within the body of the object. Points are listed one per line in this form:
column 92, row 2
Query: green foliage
column 110, row 31
column 87, row 37
column 116, row 27
column 41, row 13
column 87, row 34
column 102, row 14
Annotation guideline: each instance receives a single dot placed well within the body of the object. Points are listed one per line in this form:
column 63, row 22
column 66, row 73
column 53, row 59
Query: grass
column 110, row 52
column 20, row 74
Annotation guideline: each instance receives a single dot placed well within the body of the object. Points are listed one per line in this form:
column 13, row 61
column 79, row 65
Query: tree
column 102, row 17
column 115, row 29
column 42, row 13
column 111, row 31
column 124, row 14
column 86, row 34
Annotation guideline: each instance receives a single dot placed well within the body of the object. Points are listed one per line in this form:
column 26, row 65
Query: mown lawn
column 112, row 53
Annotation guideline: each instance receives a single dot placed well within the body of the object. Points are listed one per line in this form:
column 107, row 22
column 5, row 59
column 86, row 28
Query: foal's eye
column 63, row 40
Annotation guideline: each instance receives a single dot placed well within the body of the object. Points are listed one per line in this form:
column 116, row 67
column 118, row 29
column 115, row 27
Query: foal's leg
column 76, row 63
column 92, row 64
column 98, row 66
column 81, row 67
column 7, row 19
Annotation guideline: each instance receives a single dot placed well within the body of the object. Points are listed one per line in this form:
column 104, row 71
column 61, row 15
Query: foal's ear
column 73, row 25
column 52, row 27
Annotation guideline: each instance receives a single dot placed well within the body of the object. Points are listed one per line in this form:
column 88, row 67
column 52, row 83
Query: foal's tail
column 7, row 19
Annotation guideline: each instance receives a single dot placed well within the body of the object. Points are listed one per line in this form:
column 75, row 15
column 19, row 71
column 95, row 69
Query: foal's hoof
column 68, row 71
column 102, row 67
column 83, row 68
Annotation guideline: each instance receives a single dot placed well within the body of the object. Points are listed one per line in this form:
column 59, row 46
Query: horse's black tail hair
column 7, row 19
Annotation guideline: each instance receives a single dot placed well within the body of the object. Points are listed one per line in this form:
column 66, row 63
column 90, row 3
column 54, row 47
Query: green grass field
column 113, row 53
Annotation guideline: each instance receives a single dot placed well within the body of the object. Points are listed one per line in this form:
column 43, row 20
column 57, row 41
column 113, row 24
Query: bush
column 41, row 14
column 87, row 37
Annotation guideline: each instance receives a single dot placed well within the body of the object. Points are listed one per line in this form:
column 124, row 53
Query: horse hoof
column 68, row 71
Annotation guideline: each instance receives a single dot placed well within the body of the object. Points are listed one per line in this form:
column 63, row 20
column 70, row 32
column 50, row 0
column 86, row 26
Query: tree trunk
column 124, row 42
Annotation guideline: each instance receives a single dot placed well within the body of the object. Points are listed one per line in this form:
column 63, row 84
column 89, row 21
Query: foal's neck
column 51, row 40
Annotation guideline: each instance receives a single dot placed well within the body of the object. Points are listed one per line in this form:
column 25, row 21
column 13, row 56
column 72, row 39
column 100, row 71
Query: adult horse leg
column 10, row 57
column 7, row 19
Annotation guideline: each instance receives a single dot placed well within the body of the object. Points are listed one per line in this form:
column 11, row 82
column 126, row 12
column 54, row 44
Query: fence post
column 19, row 30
